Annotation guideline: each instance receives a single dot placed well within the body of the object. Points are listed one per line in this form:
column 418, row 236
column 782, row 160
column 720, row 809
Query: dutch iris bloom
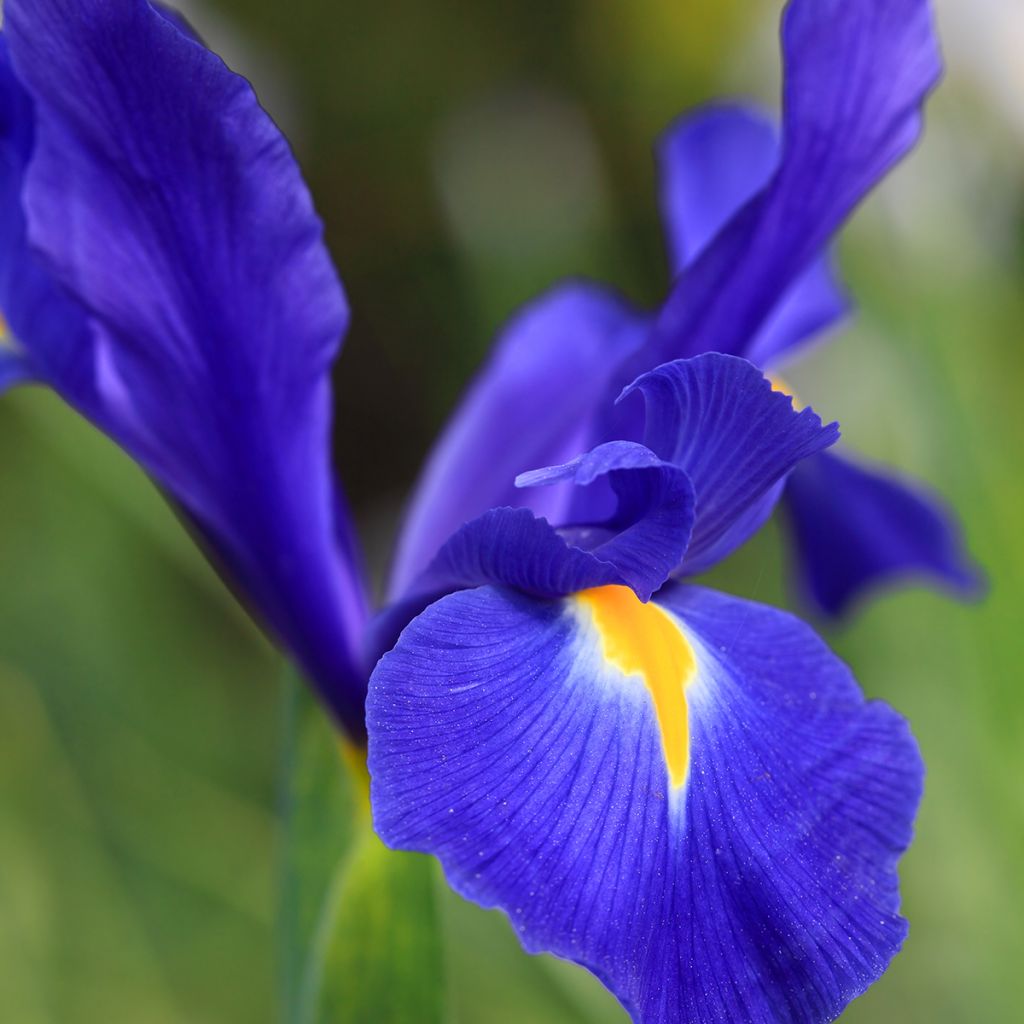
column 687, row 795
column 748, row 217
column 684, row 792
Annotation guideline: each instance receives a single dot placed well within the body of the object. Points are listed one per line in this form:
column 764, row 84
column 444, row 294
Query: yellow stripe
column 642, row 639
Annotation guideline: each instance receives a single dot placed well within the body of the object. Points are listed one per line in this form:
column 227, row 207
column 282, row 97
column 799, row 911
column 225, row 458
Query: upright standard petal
column 530, row 406
column 166, row 203
column 856, row 528
column 709, row 165
column 856, row 75
column 691, row 800
column 718, row 419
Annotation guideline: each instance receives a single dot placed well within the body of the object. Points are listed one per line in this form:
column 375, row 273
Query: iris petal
column 504, row 740
column 13, row 369
column 719, row 420
column 710, row 164
column 514, row 548
column 529, row 406
column 32, row 305
column 166, row 203
column 857, row 528
column 651, row 526
column 856, row 75
column 721, row 443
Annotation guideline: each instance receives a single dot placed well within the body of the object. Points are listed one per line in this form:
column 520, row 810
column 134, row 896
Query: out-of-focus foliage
column 463, row 157
column 139, row 730
column 359, row 935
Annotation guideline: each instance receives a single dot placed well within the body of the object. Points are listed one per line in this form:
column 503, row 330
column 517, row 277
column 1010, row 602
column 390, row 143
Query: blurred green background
column 464, row 156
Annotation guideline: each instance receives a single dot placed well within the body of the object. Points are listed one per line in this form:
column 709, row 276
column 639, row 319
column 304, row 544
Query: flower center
column 644, row 640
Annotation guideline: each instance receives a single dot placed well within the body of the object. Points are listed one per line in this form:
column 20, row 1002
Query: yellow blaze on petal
column 642, row 639
column 780, row 384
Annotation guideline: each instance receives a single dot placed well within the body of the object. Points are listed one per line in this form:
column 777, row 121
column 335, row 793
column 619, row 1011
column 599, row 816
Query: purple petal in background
column 529, row 406
column 710, row 164
column 856, row 75
column 857, row 529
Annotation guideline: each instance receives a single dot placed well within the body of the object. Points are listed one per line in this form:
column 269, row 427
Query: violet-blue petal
column 856, row 75
column 512, row 547
column 638, row 549
column 165, row 201
column 709, row 165
column 856, row 529
column 529, row 406
column 719, row 420
column 177, row 19
column 32, row 306
column 650, row 528
column 13, row 369
column 761, row 889
column 813, row 305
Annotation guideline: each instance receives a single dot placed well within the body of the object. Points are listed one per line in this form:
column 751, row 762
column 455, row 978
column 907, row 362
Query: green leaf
column 358, row 925
column 384, row 962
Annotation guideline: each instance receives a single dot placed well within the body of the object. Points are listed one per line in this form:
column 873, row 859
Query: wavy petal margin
column 718, row 419
column 505, row 740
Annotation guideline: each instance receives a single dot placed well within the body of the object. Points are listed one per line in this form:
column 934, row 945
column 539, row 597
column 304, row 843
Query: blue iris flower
column 748, row 218
column 684, row 792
